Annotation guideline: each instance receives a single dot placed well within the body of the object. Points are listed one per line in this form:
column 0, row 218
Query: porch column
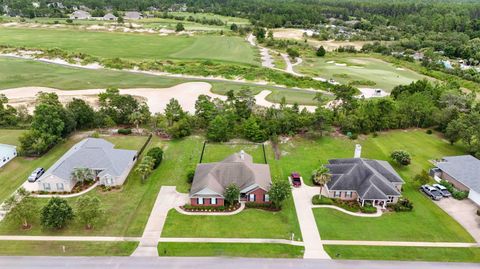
column 363, row 201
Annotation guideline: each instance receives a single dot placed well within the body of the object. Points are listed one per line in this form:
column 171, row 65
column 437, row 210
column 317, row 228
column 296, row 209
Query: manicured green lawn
column 433, row 254
column 23, row 73
column 251, row 223
column 72, row 248
column 133, row 46
column 10, row 137
column 215, row 152
column 230, row 250
column 426, row 223
column 358, row 68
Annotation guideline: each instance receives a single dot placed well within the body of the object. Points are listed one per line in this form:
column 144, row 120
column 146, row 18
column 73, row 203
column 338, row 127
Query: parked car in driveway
column 431, row 192
column 36, row 174
column 296, row 179
column 443, row 190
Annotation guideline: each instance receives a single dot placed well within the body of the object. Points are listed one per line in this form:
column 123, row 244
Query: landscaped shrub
column 124, row 131
column 429, row 131
column 457, row 194
column 403, row 205
column 157, row 154
column 401, row 156
column 323, row 200
column 269, row 206
column 190, row 175
column 368, row 209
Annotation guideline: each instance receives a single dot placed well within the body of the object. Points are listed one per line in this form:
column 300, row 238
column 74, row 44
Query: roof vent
column 358, row 151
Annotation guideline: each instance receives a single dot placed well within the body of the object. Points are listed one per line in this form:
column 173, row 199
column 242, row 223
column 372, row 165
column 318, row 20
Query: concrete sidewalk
column 231, row 240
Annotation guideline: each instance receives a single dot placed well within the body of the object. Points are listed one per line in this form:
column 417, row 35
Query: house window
column 213, row 201
column 251, row 197
column 266, row 198
column 46, row 186
column 200, row 201
column 390, row 199
column 337, row 194
column 60, row 186
column 348, row 194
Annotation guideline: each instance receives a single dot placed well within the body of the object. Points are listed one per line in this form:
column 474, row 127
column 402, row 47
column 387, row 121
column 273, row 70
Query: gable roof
column 81, row 14
column 109, row 16
column 371, row 179
column 464, row 168
column 133, row 15
column 238, row 169
column 93, row 153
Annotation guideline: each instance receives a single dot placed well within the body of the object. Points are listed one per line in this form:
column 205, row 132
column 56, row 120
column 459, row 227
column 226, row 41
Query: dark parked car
column 296, row 179
column 36, row 174
column 443, row 190
column 431, row 192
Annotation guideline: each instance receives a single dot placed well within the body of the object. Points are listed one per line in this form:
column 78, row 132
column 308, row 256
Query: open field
column 404, row 253
column 360, row 71
column 133, row 46
column 10, row 136
column 427, row 222
column 16, row 73
column 230, row 250
column 72, row 248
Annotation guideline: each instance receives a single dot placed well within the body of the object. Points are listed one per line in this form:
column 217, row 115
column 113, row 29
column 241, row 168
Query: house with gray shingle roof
column 110, row 166
column 463, row 172
column 80, row 15
column 365, row 180
column 211, row 180
column 109, row 17
column 133, row 15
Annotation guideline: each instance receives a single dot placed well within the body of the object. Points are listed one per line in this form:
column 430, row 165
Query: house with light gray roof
column 212, row 179
column 80, row 15
column 364, row 180
column 463, row 172
column 109, row 165
column 133, row 15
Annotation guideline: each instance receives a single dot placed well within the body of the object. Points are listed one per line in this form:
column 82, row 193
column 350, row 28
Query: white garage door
column 474, row 196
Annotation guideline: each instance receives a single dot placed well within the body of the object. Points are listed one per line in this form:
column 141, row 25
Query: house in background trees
column 110, row 166
column 80, row 15
column 133, row 15
column 109, row 17
column 212, row 179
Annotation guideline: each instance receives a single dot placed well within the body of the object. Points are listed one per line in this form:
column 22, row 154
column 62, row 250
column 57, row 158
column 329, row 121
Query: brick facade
column 259, row 196
column 207, row 202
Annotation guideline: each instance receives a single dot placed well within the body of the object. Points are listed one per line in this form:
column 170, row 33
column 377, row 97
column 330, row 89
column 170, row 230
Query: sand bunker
column 156, row 98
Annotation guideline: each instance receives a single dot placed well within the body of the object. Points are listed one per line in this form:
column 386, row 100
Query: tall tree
column 21, row 207
column 279, row 191
column 89, row 210
column 56, row 214
column 145, row 167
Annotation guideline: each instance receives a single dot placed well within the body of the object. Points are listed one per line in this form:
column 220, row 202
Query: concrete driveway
column 464, row 212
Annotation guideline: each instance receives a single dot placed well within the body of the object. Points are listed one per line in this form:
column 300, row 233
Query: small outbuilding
column 109, row 17
column 133, row 15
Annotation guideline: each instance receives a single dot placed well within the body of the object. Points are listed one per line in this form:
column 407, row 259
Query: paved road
column 212, row 263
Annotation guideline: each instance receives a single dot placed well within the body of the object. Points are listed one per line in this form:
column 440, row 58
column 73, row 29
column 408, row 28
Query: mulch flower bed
column 213, row 209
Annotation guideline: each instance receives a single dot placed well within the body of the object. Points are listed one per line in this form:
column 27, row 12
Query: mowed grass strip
column 433, row 254
column 230, row 250
column 133, row 46
column 66, row 248
column 216, row 152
